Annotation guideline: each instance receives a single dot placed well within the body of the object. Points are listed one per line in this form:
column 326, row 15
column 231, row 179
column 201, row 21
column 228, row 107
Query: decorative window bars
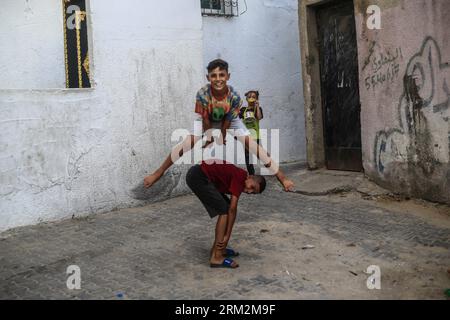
column 76, row 53
column 224, row 8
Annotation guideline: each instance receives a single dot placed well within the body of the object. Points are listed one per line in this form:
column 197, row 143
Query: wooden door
column 340, row 86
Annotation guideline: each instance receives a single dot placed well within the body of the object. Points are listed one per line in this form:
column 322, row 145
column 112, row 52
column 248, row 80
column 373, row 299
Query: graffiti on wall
column 384, row 66
column 423, row 136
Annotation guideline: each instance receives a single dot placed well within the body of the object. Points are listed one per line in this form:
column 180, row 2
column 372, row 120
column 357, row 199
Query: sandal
column 227, row 263
column 231, row 253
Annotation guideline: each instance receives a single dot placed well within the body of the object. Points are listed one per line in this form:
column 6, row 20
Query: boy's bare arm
column 287, row 184
column 225, row 126
column 273, row 167
column 258, row 113
column 232, row 211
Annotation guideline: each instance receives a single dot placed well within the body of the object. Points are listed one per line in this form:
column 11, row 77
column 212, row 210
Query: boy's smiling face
column 218, row 79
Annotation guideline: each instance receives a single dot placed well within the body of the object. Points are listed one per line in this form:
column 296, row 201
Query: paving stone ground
column 160, row 251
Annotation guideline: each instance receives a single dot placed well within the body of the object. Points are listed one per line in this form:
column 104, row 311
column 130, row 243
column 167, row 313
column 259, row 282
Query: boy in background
column 251, row 115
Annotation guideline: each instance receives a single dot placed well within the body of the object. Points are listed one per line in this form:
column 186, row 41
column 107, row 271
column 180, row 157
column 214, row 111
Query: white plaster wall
column 262, row 48
column 31, row 44
column 75, row 152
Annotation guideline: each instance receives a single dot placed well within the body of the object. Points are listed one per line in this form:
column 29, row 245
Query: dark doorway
column 340, row 86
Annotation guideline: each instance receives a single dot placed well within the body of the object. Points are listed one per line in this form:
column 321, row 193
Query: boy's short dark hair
column 254, row 91
column 262, row 183
column 218, row 63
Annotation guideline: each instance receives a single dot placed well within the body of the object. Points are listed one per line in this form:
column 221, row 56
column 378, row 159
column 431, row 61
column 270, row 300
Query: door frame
column 310, row 59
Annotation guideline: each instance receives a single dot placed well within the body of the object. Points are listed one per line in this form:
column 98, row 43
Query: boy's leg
column 242, row 134
column 219, row 245
column 177, row 153
column 224, row 250
column 250, row 167
column 214, row 203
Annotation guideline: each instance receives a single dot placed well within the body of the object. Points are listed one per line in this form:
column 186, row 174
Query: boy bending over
column 211, row 181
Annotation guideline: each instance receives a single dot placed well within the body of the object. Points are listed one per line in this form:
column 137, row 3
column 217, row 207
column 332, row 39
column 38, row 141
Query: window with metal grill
column 225, row 8
column 76, row 51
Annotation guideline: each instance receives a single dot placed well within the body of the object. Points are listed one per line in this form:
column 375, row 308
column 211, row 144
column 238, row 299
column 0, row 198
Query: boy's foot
column 226, row 263
column 151, row 179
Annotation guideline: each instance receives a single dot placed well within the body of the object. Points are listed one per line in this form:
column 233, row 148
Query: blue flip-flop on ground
column 227, row 263
column 231, row 253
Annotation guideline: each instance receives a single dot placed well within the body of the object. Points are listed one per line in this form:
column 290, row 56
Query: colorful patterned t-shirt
column 216, row 110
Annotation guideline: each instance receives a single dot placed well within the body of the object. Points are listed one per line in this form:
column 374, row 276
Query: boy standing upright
column 251, row 115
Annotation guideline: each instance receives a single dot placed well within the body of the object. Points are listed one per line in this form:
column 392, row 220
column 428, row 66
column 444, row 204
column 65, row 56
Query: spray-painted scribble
column 423, row 137
column 385, row 66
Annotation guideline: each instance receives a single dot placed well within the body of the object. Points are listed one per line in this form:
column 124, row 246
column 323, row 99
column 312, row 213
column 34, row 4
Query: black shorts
column 215, row 203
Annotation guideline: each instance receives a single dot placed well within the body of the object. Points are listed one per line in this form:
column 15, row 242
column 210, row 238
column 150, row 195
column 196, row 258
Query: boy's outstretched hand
column 151, row 179
column 288, row 185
